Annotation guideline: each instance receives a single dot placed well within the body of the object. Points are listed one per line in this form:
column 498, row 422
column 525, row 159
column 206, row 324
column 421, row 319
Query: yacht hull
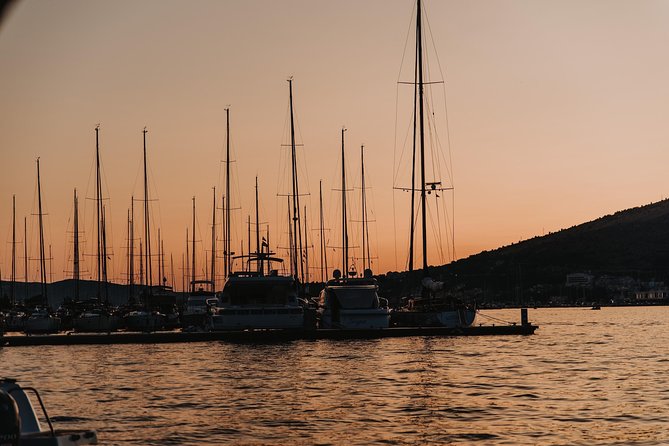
column 463, row 317
column 357, row 319
column 258, row 318
column 96, row 323
column 43, row 325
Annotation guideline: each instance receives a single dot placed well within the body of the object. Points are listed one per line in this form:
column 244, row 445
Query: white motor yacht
column 353, row 303
column 255, row 301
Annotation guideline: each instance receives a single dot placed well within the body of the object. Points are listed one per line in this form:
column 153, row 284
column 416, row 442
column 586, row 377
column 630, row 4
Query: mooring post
column 523, row 317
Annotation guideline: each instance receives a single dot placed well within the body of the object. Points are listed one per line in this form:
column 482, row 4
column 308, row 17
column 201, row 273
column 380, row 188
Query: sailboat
column 348, row 301
column 256, row 299
column 146, row 318
column 42, row 319
column 96, row 315
column 15, row 317
column 434, row 305
column 201, row 298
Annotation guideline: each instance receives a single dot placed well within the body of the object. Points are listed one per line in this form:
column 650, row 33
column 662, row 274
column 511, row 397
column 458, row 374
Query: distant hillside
column 633, row 242
column 58, row 291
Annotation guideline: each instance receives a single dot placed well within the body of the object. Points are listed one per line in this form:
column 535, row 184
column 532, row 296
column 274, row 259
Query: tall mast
column 226, row 241
column 297, row 230
column 129, row 273
column 147, row 229
column 186, row 271
column 42, row 262
column 75, row 269
column 260, row 260
column 172, row 272
column 25, row 252
column 364, row 206
column 160, row 274
column 419, row 61
column 12, row 286
column 344, row 228
column 131, row 277
column 324, row 254
column 141, row 264
column 193, row 251
column 163, row 278
column 290, row 242
column 306, row 248
column 213, row 244
column 98, row 210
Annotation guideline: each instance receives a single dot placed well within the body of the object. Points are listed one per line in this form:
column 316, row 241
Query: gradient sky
column 556, row 111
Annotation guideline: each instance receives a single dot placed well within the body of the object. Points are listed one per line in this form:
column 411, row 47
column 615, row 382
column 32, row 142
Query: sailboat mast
column 141, row 263
column 41, row 239
column 186, row 270
column 12, row 286
column 344, row 228
column 364, row 206
column 306, row 248
column 324, row 254
column 291, row 253
column 258, row 254
column 297, row 231
column 75, row 265
column 172, row 271
column 98, row 211
column 193, row 251
column 25, row 252
column 147, row 230
column 419, row 61
column 213, row 243
column 129, row 224
column 160, row 274
column 132, row 244
column 163, row 277
column 226, row 240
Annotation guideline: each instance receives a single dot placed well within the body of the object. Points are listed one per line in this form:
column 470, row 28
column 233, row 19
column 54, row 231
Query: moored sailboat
column 434, row 304
column 42, row 319
column 98, row 315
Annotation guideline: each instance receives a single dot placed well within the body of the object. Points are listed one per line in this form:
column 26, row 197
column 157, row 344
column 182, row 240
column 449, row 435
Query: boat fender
column 10, row 423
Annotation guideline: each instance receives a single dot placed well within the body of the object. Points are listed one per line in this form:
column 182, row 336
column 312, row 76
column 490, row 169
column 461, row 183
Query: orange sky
column 556, row 112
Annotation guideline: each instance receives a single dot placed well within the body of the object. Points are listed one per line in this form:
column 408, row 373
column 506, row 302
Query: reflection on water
column 586, row 377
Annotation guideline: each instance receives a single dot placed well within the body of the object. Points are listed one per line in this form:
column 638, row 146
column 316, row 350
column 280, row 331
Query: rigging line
column 406, row 40
column 448, row 130
column 494, row 318
column 437, row 231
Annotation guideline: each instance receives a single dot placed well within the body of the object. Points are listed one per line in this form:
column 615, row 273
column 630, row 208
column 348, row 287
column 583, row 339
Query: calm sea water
column 586, row 377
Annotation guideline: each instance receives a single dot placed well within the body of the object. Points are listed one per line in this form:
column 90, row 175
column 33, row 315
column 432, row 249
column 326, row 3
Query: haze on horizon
column 556, row 113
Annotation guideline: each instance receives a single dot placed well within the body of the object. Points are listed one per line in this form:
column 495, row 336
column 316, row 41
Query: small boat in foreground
column 20, row 425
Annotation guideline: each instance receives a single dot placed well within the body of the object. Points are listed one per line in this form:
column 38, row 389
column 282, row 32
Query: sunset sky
column 557, row 114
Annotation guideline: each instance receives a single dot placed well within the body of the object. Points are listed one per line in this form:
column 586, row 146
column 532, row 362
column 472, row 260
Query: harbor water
column 586, row 377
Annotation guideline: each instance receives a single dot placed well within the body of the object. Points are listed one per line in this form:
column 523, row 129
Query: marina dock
column 257, row 336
